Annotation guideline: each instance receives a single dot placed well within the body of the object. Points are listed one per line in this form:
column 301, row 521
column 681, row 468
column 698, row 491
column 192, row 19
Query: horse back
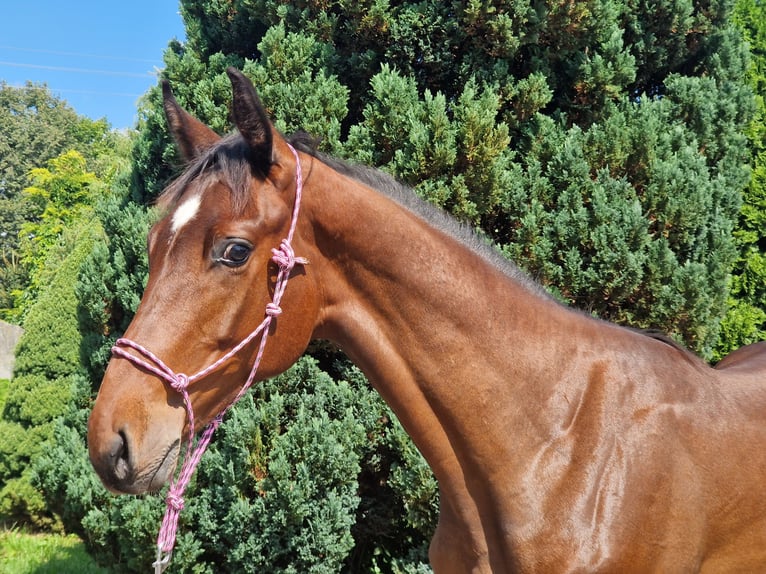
column 747, row 359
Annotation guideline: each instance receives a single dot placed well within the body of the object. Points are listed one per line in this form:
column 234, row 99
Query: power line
column 77, row 70
column 79, row 54
column 55, row 90
column 94, row 93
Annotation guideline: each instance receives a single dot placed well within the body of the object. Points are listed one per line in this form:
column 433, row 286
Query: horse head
column 212, row 281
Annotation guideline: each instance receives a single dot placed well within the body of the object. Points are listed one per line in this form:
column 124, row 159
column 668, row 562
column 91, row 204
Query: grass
column 22, row 553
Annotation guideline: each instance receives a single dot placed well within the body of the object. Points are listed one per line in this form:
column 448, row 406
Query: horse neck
column 458, row 349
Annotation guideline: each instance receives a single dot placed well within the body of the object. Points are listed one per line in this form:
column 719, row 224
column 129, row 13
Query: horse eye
column 235, row 253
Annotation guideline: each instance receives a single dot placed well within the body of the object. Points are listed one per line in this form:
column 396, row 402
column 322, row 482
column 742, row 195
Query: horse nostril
column 119, row 456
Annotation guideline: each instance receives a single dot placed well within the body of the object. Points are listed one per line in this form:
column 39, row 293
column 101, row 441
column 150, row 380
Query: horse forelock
column 228, row 161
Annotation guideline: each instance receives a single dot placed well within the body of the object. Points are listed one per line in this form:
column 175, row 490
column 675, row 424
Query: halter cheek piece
column 285, row 259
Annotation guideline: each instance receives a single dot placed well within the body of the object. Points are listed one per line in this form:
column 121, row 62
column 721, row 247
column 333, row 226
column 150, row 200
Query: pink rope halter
column 285, row 259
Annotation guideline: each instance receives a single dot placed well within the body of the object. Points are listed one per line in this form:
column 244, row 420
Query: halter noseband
column 285, row 259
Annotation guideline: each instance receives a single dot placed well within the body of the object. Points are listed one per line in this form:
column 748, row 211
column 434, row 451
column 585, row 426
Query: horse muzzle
column 122, row 472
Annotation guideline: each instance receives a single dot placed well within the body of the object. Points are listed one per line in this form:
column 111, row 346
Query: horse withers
column 560, row 442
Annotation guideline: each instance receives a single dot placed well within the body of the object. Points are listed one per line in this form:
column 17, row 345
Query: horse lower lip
column 164, row 471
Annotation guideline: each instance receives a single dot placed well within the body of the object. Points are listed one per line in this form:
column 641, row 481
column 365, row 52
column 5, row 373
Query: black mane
column 407, row 198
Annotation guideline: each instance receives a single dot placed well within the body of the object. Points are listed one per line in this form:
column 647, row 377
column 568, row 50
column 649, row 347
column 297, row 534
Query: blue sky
column 98, row 55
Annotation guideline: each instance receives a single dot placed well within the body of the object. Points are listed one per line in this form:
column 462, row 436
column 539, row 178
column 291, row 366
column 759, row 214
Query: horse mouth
column 164, row 471
column 152, row 477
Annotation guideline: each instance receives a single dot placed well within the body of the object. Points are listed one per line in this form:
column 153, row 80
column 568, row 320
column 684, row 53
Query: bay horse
column 560, row 442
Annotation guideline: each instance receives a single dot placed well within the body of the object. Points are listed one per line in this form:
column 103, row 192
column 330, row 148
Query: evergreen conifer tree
column 47, row 375
column 745, row 321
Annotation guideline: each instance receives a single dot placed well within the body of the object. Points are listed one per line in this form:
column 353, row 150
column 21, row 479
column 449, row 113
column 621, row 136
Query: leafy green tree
column 35, row 127
column 61, row 193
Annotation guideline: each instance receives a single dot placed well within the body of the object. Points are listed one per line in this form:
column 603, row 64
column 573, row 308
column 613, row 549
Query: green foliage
column 61, row 194
column 35, row 128
column 5, row 386
column 619, row 220
column 458, row 160
column 296, row 459
column 111, row 280
column 46, row 369
column 13, row 278
column 294, row 79
column 745, row 321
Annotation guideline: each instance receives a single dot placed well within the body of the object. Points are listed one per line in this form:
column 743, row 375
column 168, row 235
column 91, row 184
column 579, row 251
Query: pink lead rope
column 285, row 259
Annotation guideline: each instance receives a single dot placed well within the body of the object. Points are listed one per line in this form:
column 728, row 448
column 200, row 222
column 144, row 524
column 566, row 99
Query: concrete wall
column 9, row 336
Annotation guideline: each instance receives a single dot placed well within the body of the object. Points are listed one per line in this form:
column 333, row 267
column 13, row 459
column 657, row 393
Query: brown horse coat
column 561, row 443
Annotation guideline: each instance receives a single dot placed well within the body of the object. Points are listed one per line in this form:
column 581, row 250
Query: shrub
column 5, row 386
column 45, row 372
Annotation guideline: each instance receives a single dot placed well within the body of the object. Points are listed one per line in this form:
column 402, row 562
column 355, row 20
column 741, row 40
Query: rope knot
column 285, row 257
column 273, row 310
column 179, row 382
column 175, row 501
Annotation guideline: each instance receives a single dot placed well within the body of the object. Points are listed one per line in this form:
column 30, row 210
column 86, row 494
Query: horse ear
column 252, row 121
column 191, row 136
